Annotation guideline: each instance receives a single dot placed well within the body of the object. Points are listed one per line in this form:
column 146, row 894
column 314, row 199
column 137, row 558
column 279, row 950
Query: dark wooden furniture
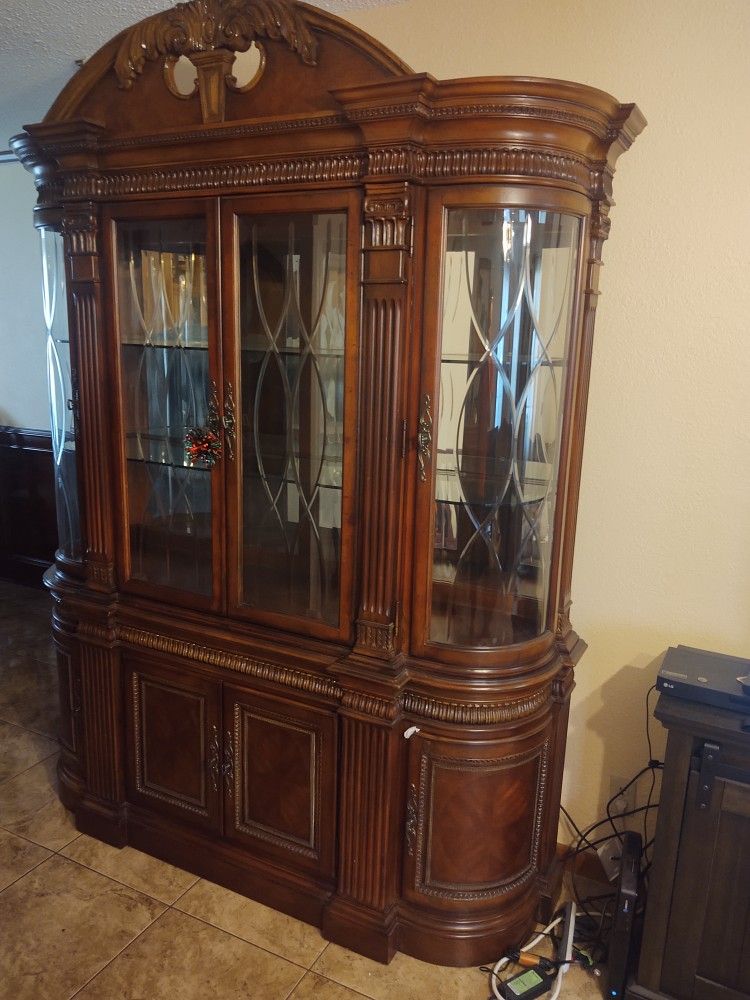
column 330, row 336
column 28, row 527
column 696, row 938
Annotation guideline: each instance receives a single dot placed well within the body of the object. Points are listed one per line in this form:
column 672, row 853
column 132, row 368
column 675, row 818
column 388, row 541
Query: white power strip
column 565, row 948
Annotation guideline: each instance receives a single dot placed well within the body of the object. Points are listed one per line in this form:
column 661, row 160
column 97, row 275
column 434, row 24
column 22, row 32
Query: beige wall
column 663, row 548
column 663, row 551
column 23, row 385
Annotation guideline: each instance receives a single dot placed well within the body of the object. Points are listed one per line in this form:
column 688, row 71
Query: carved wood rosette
column 386, row 249
column 80, row 227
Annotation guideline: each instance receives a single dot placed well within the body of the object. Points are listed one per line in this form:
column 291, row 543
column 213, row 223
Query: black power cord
column 594, row 932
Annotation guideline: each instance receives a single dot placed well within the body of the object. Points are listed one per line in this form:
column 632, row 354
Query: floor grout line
column 186, row 891
column 252, row 944
column 333, row 982
column 112, row 878
column 26, row 729
column 115, row 957
column 30, row 768
column 33, row 868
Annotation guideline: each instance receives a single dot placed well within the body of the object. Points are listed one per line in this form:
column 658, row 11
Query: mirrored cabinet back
column 319, row 339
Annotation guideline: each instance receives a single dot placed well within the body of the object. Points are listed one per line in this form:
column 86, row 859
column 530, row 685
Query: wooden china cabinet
column 319, row 336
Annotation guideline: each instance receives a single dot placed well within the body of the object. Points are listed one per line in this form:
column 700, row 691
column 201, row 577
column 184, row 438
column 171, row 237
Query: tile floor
column 81, row 919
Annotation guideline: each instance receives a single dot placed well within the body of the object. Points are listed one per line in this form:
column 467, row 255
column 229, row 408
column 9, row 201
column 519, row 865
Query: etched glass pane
column 59, row 380
column 506, row 317
column 166, row 397
column 292, row 316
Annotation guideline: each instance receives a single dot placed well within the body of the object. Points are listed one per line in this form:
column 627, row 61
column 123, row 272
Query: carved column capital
column 80, row 230
column 387, row 216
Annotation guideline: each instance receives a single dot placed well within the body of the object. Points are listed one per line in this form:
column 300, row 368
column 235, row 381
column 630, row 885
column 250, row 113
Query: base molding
column 435, row 937
column 369, row 932
column 444, row 939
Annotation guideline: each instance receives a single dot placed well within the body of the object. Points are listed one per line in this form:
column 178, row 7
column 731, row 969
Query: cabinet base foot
column 368, row 932
column 97, row 818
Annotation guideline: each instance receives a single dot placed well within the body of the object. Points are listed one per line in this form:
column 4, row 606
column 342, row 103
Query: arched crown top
column 208, row 25
column 309, row 51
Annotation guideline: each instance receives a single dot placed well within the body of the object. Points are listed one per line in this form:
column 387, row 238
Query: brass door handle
column 213, row 757
column 424, row 436
column 228, row 420
column 228, row 766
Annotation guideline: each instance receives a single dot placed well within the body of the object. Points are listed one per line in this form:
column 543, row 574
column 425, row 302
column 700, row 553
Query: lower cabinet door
column 473, row 819
column 280, row 791
column 174, row 742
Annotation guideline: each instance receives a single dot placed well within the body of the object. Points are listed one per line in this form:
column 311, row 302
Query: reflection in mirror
column 506, row 316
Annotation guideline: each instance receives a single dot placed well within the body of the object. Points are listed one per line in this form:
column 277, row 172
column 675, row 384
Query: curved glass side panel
column 59, row 382
column 506, row 319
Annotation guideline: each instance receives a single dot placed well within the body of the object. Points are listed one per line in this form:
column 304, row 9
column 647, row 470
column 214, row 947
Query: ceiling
column 40, row 41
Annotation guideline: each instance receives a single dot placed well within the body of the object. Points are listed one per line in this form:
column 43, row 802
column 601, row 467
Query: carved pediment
column 210, row 25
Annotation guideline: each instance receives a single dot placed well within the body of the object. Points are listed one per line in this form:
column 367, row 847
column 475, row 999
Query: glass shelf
column 164, row 363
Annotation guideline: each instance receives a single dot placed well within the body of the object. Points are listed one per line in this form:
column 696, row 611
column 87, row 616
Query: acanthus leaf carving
column 208, row 25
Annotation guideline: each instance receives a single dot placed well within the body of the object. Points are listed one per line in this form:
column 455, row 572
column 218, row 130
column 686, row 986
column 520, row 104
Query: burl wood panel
column 173, row 742
column 482, row 802
column 279, row 778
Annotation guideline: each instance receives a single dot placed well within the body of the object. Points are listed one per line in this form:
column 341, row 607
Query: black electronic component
column 621, row 938
column 528, row 984
column 709, row 678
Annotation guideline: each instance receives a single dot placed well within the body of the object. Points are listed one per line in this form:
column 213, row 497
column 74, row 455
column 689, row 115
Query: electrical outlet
column 609, row 855
column 624, row 801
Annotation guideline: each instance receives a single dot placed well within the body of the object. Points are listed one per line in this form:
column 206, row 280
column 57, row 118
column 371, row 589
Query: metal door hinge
column 709, row 762
column 404, row 436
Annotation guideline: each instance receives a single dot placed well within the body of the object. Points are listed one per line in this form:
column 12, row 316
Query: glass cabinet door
column 503, row 340
column 169, row 416
column 293, row 320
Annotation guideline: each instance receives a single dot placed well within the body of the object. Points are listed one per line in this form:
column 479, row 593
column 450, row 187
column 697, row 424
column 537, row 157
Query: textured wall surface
column 23, row 384
column 663, row 546
column 663, row 549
